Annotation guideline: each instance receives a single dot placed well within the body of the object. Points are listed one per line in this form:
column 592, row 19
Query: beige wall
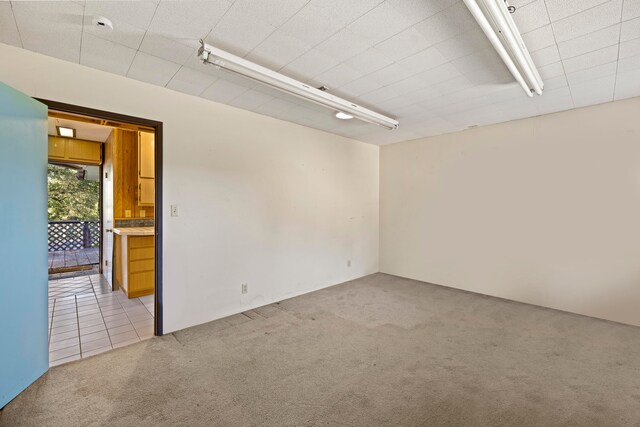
column 275, row 205
column 543, row 210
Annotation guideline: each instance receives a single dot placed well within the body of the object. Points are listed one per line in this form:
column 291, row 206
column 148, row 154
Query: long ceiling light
column 494, row 17
column 227, row 61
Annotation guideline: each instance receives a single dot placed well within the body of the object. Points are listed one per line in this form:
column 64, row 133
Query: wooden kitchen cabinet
column 75, row 151
column 146, row 192
column 56, row 148
column 84, row 151
column 146, row 153
column 146, row 169
column 141, row 266
column 135, row 264
column 127, row 191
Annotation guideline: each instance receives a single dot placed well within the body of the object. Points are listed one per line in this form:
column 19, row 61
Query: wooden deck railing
column 70, row 235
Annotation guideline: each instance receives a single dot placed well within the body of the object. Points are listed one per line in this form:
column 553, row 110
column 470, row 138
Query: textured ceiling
column 424, row 62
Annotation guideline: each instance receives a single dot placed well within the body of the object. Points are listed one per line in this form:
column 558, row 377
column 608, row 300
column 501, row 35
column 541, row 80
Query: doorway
column 106, row 290
column 73, row 209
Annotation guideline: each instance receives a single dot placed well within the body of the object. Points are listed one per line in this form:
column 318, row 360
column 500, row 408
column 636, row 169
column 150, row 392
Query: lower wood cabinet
column 135, row 264
column 146, row 192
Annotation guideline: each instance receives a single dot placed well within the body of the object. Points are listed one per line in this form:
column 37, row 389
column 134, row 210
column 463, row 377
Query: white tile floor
column 87, row 318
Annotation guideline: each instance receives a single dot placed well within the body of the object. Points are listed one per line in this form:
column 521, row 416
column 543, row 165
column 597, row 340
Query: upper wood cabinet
column 145, row 155
column 56, row 148
column 83, row 151
column 146, row 170
column 75, row 150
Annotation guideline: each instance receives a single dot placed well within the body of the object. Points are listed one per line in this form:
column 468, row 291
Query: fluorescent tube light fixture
column 229, row 62
column 66, row 132
column 495, row 20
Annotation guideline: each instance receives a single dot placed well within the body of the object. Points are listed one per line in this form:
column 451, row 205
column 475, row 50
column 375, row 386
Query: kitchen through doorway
column 104, row 237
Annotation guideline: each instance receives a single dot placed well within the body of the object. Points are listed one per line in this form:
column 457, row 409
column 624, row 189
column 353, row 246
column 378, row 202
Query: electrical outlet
column 143, row 213
column 174, row 210
column 245, row 288
column 348, row 263
column 127, row 213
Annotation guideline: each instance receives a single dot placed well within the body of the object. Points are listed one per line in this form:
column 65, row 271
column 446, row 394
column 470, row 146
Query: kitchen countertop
column 134, row 231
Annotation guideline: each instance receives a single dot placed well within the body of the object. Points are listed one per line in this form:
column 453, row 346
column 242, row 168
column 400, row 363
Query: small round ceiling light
column 102, row 23
column 343, row 116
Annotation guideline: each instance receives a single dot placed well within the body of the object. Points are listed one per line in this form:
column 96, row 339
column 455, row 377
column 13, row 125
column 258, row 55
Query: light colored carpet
column 376, row 351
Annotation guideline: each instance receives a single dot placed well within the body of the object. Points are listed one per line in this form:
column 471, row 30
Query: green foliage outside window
column 71, row 198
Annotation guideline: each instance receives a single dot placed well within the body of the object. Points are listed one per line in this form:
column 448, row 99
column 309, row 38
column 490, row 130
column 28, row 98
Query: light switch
column 174, row 210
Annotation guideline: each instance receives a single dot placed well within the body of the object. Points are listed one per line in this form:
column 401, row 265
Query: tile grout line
column 53, row 309
column 150, row 312
column 93, row 289
column 77, row 328
column 128, row 319
column 78, row 323
column 131, row 322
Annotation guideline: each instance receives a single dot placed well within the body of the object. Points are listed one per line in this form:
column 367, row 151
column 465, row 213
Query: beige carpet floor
column 377, row 351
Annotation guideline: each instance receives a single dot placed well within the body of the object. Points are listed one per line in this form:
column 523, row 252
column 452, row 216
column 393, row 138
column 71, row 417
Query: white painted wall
column 276, row 205
column 543, row 210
